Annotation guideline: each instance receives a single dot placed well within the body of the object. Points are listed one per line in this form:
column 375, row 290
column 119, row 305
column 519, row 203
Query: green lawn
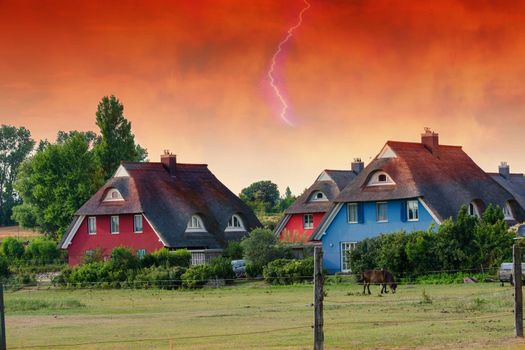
column 255, row 315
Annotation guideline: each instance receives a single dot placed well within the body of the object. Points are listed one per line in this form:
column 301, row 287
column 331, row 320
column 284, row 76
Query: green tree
column 54, row 183
column 116, row 142
column 287, row 200
column 261, row 196
column 15, row 146
column 261, row 247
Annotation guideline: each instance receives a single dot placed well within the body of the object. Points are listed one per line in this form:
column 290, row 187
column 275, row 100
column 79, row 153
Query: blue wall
column 342, row 231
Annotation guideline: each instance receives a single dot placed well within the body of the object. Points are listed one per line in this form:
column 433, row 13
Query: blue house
column 409, row 186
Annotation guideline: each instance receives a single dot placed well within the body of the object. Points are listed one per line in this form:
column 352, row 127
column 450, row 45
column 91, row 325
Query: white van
column 505, row 273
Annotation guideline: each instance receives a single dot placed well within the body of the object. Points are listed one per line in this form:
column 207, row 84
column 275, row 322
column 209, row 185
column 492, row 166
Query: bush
column 122, row 259
column 222, row 268
column 261, row 247
column 233, row 251
column 167, row 258
column 196, row 276
column 160, row 277
column 88, row 274
column 4, row 267
column 284, row 271
column 96, row 255
column 253, row 270
column 42, row 251
column 12, row 248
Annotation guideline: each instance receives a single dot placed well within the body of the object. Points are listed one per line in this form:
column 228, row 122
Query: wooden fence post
column 2, row 319
column 518, row 293
column 318, row 298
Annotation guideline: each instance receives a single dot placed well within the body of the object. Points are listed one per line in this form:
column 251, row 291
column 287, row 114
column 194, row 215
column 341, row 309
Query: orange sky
column 192, row 77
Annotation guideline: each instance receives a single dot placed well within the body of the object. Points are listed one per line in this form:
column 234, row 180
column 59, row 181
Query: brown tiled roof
column 168, row 202
column 331, row 189
column 445, row 182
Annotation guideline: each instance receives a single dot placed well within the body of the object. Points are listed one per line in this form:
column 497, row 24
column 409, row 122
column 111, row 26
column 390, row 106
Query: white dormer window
column 235, row 224
column 473, row 209
column 113, row 195
column 195, row 224
column 507, row 211
column 318, row 196
column 380, row 178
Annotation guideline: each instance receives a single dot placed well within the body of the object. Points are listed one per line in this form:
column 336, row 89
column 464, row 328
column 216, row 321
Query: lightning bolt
column 275, row 88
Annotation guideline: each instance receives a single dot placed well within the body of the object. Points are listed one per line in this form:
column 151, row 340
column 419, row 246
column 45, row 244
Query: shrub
column 42, row 251
column 196, row 276
column 4, row 267
column 96, row 255
column 261, row 247
column 12, row 248
column 165, row 257
column 89, row 274
column 160, row 277
column 123, row 259
column 222, row 268
column 284, row 271
column 253, row 270
column 233, row 251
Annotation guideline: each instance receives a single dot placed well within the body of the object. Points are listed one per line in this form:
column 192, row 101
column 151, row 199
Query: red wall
column 103, row 239
column 294, row 231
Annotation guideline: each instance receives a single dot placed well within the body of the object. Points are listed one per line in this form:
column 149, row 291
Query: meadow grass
column 258, row 316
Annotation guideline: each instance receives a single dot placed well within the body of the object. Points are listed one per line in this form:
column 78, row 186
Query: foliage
column 95, row 255
column 451, row 278
column 196, row 276
column 284, row 271
column 116, row 143
column 261, row 247
column 261, row 196
column 167, row 258
column 54, row 183
column 4, row 267
column 15, row 146
column 42, row 251
column 467, row 243
column 222, row 268
column 12, row 248
column 122, row 259
column 233, row 251
column 163, row 277
column 287, row 200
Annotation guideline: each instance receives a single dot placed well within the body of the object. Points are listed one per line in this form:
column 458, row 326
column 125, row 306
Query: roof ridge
column 419, row 143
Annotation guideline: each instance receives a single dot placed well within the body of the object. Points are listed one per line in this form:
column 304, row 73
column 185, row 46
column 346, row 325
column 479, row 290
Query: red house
column 147, row 206
column 305, row 214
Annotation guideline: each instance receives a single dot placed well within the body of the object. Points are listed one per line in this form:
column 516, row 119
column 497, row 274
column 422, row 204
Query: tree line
column 42, row 187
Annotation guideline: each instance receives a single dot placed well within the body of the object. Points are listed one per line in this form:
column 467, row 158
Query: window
column 113, row 195
column 137, row 223
column 141, row 253
column 235, row 224
column 507, row 211
column 114, row 224
column 308, row 221
column 198, row 258
column 346, row 248
column 380, row 178
column 352, row 213
column 473, row 209
column 92, row 225
column 382, row 212
column 195, row 224
column 413, row 210
column 318, row 196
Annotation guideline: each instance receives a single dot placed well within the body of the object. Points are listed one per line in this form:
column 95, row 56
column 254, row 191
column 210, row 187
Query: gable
column 387, row 152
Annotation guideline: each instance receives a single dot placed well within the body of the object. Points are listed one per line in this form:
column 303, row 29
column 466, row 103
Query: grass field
column 257, row 316
column 18, row 232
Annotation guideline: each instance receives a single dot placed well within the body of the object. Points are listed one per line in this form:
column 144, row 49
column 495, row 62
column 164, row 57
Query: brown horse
column 382, row 277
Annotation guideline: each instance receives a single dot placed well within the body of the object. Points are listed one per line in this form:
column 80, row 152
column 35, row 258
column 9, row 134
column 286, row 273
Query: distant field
column 17, row 232
column 258, row 316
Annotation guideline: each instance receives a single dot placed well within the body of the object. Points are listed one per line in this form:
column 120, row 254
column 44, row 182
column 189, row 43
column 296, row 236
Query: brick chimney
column 430, row 140
column 357, row 165
column 504, row 170
column 169, row 160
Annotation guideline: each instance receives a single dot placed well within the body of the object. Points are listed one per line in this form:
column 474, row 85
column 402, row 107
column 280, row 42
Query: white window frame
column 135, row 217
column 356, row 206
column 507, row 212
column 92, row 225
column 113, row 195
column 308, row 221
column 141, row 253
column 235, row 224
column 195, row 224
column 374, row 179
column 198, row 257
column 416, row 208
column 314, row 197
column 473, row 209
column 117, row 223
column 378, row 204
column 346, row 247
